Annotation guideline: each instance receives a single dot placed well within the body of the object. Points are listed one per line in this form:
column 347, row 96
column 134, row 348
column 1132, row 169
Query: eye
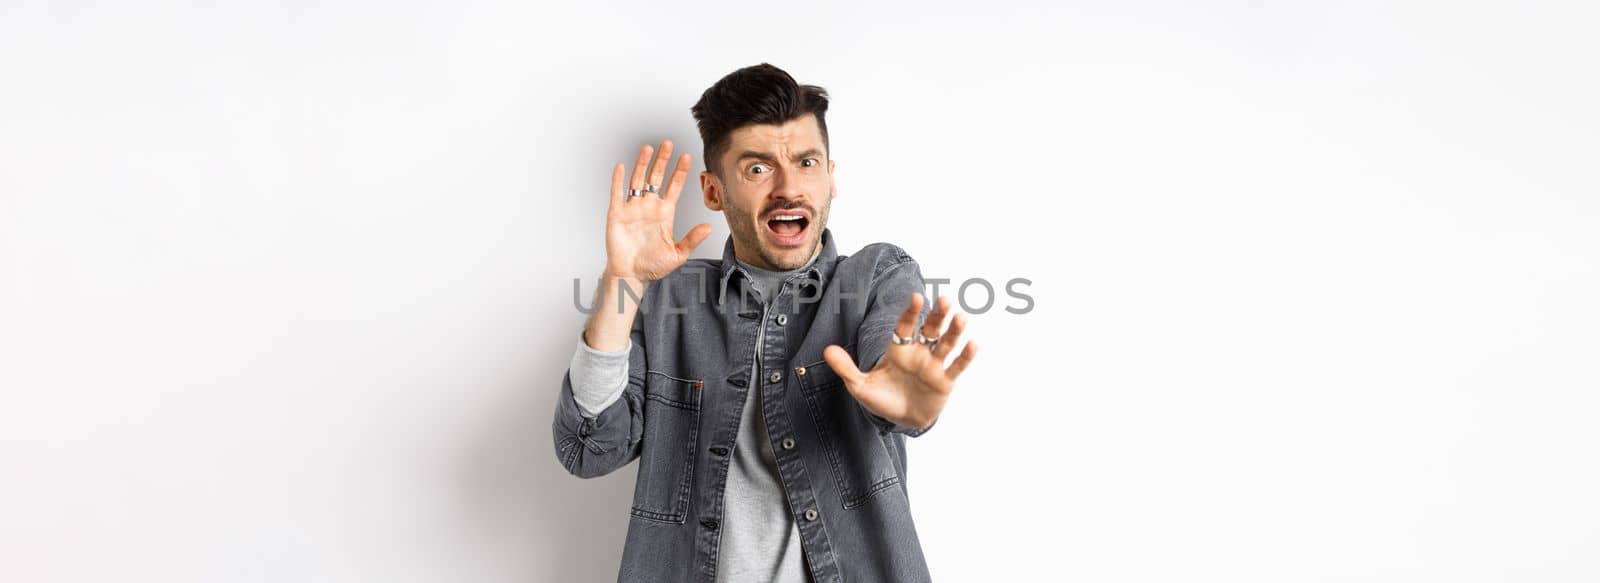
column 758, row 168
column 809, row 162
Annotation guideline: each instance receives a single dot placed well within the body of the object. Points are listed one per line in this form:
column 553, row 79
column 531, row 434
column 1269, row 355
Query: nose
column 785, row 185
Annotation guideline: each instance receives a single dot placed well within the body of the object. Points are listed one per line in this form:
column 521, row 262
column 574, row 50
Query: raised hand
column 639, row 234
column 910, row 384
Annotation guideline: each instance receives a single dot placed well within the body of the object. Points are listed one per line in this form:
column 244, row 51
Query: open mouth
column 788, row 228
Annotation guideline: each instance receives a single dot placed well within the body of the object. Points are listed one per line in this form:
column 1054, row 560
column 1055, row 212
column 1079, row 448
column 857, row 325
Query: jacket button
column 775, row 377
column 719, row 450
column 811, row 514
column 783, row 319
column 788, row 443
column 800, row 370
column 709, row 524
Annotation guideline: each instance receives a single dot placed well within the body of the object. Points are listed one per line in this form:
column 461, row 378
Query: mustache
column 786, row 207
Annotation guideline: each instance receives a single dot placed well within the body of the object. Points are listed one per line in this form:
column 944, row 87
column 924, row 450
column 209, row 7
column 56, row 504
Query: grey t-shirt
column 759, row 541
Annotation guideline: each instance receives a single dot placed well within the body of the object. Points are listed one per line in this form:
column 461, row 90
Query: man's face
column 768, row 172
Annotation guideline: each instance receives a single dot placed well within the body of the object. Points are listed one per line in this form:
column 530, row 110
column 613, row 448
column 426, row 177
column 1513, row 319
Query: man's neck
column 814, row 254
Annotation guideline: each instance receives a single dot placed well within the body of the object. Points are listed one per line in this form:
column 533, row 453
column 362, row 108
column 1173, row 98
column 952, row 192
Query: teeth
column 787, row 218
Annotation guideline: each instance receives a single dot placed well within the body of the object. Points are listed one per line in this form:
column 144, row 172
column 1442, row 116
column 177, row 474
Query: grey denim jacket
column 843, row 468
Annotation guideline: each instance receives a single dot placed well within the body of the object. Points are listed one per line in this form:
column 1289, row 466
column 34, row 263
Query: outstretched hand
column 639, row 232
column 910, row 384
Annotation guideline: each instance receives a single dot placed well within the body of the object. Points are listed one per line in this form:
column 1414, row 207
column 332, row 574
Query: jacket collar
column 820, row 270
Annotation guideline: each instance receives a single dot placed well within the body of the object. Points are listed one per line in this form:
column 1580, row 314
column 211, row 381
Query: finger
column 616, row 185
column 679, row 175
column 908, row 318
column 637, row 180
column 694, row 237
column 842, row 364
column 961, row 361
column 659, row 169
column 947, row 343
column 935, row 320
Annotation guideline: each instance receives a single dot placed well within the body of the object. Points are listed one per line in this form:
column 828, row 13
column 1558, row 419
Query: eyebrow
column 809, row 153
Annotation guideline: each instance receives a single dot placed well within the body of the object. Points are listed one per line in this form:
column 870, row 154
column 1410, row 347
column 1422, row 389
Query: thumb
column 695, row 236
column 842, row 365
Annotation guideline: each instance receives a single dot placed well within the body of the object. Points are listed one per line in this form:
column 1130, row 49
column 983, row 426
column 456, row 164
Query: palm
column 639, row 230
column 642, row 232
column 910, row 384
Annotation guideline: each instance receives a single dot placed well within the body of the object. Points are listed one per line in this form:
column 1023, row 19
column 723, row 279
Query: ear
column 711, row 190
column 833, row 188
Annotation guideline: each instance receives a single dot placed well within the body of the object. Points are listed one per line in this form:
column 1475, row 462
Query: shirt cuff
column 598, row 376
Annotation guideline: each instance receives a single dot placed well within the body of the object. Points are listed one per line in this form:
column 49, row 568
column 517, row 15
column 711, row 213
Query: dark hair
column 758, row 94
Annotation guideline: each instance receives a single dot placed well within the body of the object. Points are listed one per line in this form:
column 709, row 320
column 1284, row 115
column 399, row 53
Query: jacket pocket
column 856, row 455
column 666, row 457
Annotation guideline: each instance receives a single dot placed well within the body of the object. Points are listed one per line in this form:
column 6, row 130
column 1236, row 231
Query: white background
column 286, row 288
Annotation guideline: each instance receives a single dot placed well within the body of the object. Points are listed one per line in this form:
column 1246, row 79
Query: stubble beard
column 747, row 231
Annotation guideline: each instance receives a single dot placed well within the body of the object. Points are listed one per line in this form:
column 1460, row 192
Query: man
column 765, row 453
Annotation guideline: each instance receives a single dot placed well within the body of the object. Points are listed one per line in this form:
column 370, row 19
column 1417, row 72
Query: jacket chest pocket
column 666, row 456
column 856, row 455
